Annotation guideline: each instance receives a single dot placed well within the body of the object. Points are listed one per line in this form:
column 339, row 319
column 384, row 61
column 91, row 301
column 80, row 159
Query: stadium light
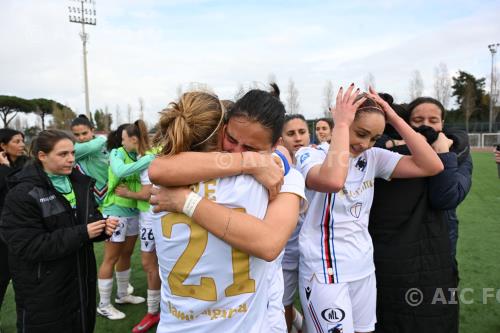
column 493, row 92
column 83, row 12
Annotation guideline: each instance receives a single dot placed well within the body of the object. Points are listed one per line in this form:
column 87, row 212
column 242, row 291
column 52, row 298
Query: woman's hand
column 442, row 143
column 169, row 199
column 95, row 229
column 122, row 190
column 3, row 159
column 389, row 111
column 345, row 106
column 111, row 224
column 266, row 169
column 497, row 156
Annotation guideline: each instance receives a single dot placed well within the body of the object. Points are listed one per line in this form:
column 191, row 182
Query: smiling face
column 427, row 114
column 295, row 135
column 242, row 134
column 82, row 133
column 60, row 159
column 323, row 131
column 130, row 143
column 15, row 147
column 364, row 131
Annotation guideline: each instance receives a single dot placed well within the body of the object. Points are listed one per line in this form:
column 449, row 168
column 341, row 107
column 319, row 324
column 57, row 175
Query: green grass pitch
column 478, row 255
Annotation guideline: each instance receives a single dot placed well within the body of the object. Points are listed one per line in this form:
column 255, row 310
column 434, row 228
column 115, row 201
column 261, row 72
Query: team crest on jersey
column 335, row 328
column 361, row 164
column 355, row 209
column 304, row 157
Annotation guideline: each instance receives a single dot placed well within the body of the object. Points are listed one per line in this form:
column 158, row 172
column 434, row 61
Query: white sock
column 122, row 279
column 105, row 287
column 297, row 320
column 153, row 301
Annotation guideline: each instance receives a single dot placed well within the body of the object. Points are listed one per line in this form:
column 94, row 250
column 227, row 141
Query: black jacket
column 4, row 172
column 50, row 255
column 412, row 250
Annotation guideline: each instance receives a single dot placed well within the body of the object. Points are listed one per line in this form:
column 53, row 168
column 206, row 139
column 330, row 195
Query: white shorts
column 275, row 311
column 291, row 280
column 146, row 220
column 339, row 308
column 127, row 226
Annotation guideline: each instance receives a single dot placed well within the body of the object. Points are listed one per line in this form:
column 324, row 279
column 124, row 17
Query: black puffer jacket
column 415, row 276
column 50, row 255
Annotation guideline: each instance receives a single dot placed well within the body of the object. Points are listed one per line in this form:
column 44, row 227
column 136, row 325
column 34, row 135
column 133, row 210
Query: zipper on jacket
column 78, row 263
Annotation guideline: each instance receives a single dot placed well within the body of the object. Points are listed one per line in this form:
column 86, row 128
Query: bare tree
column 369, row 81
column 442, row 84
column 416, row 85
column 328, row 98
column 141, row 108
column 495, row 94
column 17, row 123
column 117, row 116
column 107, row 120
column 240, row 91
column 129, row 113
column 179, row 91
column 292, row 99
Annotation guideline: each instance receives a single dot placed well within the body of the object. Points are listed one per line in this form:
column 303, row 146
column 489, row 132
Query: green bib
column 71, row 198
column 133, row 183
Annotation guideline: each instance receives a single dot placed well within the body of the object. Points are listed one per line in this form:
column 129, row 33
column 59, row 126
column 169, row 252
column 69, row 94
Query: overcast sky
column 148, row 48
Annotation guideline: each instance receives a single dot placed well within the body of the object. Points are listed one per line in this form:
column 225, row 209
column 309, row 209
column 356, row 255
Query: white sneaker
column 110, row 312
column 130, row 289
column 130, row 299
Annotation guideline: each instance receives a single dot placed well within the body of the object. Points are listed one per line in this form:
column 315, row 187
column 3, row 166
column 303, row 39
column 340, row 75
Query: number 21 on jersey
column 198, row 239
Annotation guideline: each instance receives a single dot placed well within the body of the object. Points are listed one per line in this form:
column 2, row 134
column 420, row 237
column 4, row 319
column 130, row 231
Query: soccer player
column 336, row 271
column 91, row 155
column 148, row 250
column 124, row 168
column 323, row 130
column 295, row 135
column 260, row 116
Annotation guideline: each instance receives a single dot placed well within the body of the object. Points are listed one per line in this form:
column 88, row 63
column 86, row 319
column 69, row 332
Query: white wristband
column 192, row 201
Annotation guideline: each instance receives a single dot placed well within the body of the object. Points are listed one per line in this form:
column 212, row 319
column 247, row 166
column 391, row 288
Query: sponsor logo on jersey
column 47, row 199
column 334, row 315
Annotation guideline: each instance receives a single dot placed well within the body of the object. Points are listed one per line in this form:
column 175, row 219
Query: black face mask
column 428, row 132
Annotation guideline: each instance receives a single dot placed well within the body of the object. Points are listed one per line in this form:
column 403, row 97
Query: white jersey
column 293, row 182
column 207, row 286
column 334, row 241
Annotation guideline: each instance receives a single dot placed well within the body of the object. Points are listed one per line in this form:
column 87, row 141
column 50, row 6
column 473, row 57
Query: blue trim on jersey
column 284, row 160
column 322, row 236
column 333, row 234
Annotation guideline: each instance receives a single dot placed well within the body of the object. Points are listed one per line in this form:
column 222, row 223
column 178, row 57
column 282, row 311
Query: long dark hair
column 6, row 134
column 82, row 120
column 115, row 137
column 263, row 107
column 423, row 100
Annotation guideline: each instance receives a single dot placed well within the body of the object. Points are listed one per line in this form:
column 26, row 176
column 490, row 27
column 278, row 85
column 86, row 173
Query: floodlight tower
column 493, row 92
column 83, row 12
